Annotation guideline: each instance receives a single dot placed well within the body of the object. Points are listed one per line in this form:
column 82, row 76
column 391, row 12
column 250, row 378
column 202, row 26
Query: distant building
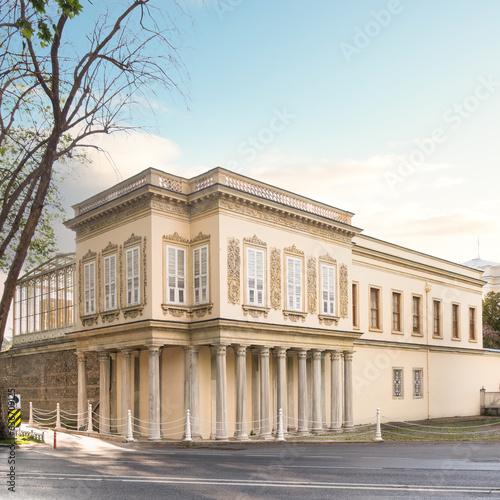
column 233, row 298
column 491, row 274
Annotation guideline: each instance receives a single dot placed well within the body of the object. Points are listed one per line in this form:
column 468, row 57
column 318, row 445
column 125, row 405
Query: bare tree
column 56, row 91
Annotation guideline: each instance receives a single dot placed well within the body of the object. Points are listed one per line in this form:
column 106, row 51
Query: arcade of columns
column 311, row 377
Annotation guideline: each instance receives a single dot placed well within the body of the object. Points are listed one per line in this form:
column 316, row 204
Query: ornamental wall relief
column 233, row 271
column 275, row 278
column 312, row 286
column 344, row 291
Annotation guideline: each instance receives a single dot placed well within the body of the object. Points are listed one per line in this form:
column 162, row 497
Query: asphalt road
column 83, row 468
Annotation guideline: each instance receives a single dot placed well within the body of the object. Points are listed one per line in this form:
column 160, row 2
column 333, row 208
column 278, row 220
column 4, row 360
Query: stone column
column 126, row 355
column 221, row 394
column 265, row 420
column 290, row 387
column 213, row 390
column 302, row 396
column 241, row 392
column 82, row 388
column 336, row 391
column 113, row 395
column 348, row 396
column 317, row 424
column 104, row 384
column 255, row 392
column 154, row 393
column 309, row 378
column 281, row 383
column 192, row 387
column 323, row 390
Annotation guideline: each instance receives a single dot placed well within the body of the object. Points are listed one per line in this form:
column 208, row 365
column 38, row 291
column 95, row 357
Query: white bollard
column 187, row 436
column 89, row 419
column 58, row 417
column 31, row 414
column 378, row 432
column 130, row 435
column 281, row 434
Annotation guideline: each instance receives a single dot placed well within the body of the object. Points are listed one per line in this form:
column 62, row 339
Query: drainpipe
column 427, row 290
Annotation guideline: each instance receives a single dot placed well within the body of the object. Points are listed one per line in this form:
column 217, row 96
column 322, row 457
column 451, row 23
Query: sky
column 386, row 108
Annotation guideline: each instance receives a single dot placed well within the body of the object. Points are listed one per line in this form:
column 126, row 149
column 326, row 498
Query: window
column 417, row 382
column 176, row 275
column 455, row 318
column 294, row 283
column 255, row 277
column 89, row 287
column 327, row 289
column 109, row 282
column 200, row 275
column 397, row 383
column 472, row 323
column 436, row 317
column 416, row 314
column 396, row 312
column 355, row 321
column 133, row 276
column 375, row 308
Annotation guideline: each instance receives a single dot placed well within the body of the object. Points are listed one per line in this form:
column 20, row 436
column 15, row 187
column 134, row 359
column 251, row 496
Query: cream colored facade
column 234, row 299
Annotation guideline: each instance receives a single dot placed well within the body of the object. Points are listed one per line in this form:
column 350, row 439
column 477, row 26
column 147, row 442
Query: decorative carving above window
column 294, row 316
column 175, row 238
column 110, row 248
column 328, row 258
column 275, row 278
column 344, row 292
column 89, row 255
column 200, row 237
column 312, row 286
column 132, row 240
column 255, row 312
column 294, row 250
column 233, row 271
column 255, row 241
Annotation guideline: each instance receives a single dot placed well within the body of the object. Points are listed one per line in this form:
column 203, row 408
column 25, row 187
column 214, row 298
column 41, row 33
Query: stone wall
column 46, row 376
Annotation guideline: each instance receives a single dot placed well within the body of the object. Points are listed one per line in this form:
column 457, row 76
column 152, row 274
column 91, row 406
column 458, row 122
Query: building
column 491, row 274
column 234, row 299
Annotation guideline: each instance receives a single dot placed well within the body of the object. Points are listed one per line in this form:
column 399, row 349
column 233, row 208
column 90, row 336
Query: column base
column 154, row 438
column 317, row 431
column 243, row 437
column 303, row 432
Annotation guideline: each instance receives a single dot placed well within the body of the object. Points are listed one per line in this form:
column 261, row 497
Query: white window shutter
column 200, row 275
column 259, row 275
column 133, row 276
column 107, row 290
column 204, row 274
column 181, row 283
column 290, row 283
column 112, row 280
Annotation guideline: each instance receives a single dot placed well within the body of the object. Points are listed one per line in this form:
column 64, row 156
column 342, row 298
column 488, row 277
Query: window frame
column 300, row 261
column 166, row 288
column 473, row 337
column 439, row 318
column 355, row 305
column 455, row 321
column 419, row 332
column 130, row 279
column 378, row 309
column 394, row 394
column 400, row 312
column 333, row 267
column 414, row 385
column 89, row 311
column 258, row 251
column 194, row 249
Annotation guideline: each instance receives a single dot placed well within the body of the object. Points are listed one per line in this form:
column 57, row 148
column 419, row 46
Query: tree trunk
column 4, row 428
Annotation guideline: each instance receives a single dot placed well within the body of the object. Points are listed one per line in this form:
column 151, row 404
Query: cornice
column 410, row 264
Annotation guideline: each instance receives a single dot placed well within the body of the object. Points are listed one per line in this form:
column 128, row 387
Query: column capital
column 302, row 353
column 82, row 356
column 264, row 352
column 281, row 351
column 316, row 353
column 191, row 348
column 126, row 353
column 240, row 350
column 348, row 355
column 336, row 355
column 104, row 355
column 219, row 349
column 112, row 355
column 154, row 350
